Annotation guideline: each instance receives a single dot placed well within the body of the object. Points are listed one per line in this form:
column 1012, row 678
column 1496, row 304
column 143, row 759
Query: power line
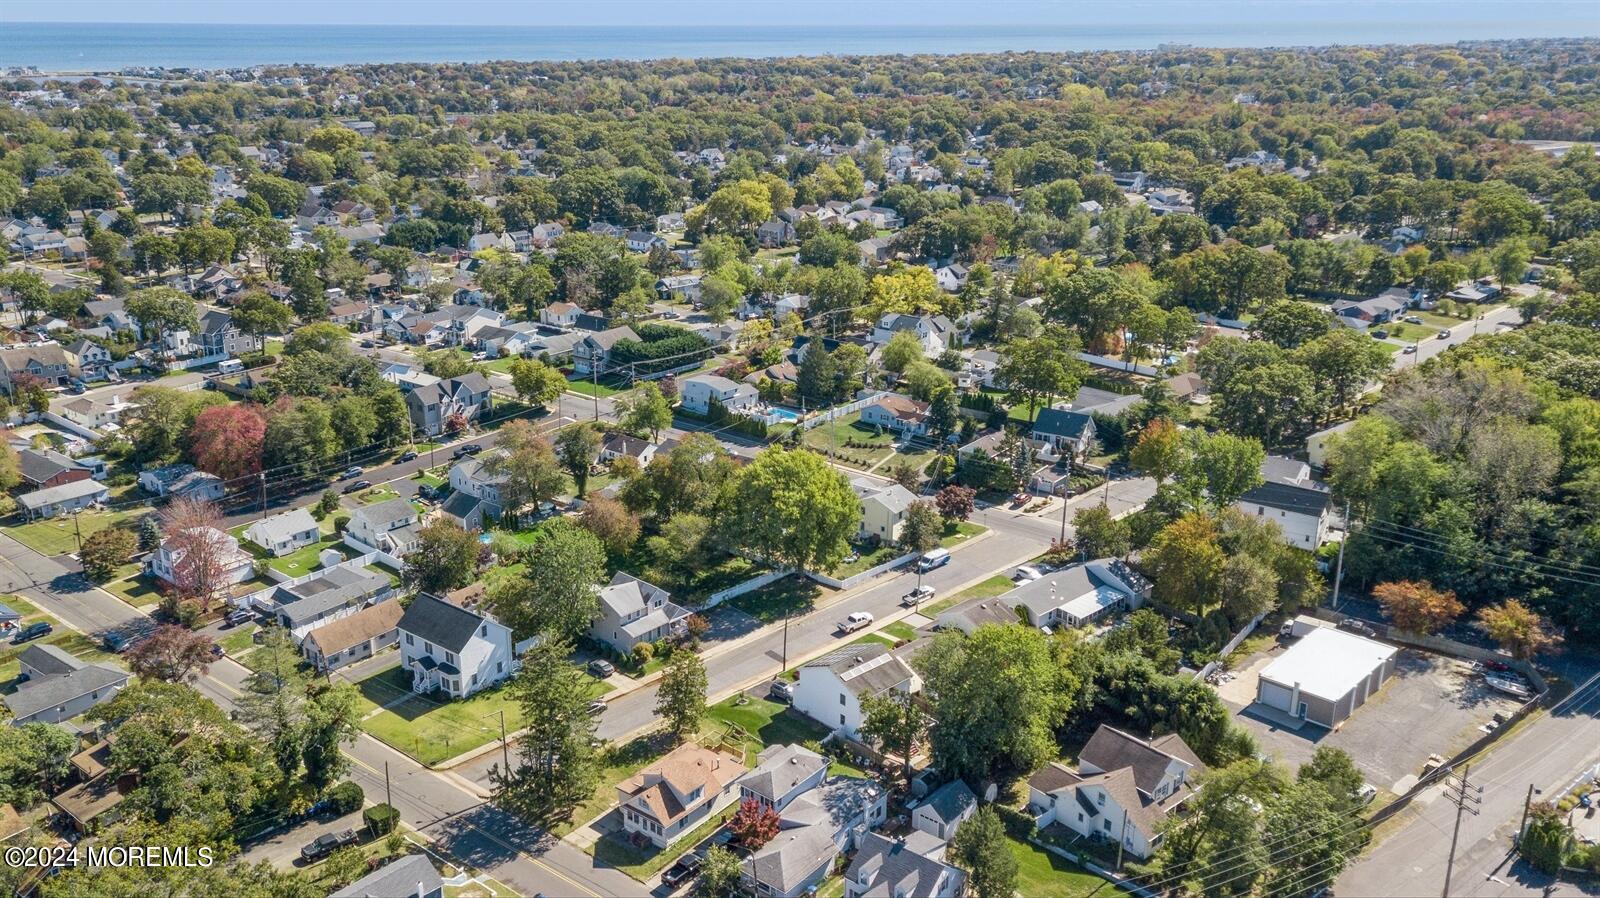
column 1571, row 566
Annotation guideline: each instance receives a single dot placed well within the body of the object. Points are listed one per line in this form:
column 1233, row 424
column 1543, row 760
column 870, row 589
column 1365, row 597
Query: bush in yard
column 381, row 819
column 340, row 522
column 643, row 652
column 106, row 550
column 346, row 797
column 755, row 824
column 1544, row 845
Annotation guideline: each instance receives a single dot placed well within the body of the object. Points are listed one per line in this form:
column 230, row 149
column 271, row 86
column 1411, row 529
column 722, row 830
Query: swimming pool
column 783, row 413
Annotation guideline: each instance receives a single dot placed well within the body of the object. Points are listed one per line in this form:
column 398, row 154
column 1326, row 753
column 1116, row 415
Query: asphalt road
column 1488, row 323
column 1546, row 754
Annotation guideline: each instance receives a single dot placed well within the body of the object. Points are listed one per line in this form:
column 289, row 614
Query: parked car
column 239, row 617
column 1359, row 627
column 601, row 668
column 327, row 844
column 428, row 492
column 118, row 641
column 1380, row 335
column 1444, row 334
column 855, row 622
column 917, row 596
column 933, row 558
column 685, row 869
column 368, row 344
column 781, row 690
column 1408, row 349
column 466, row 449
column 357, row 487
column 1026, row 574
column 217, row 650
column 352, row 471
column 596, row 708
column 31, row 632
column 408, row 455
column 1411, row 319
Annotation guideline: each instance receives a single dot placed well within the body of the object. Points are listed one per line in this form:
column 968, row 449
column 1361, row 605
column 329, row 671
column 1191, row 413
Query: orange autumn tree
column 1417, row 607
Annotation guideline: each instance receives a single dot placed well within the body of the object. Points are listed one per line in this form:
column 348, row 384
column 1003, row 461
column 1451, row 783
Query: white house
column 782, row 774
column 452, row 649
column 593, row 353
column 1123, row 788
column 897, row 414
column 181, row 480
column 232, row 563
column 1289, row 497
column 355, row 637
column 934, row 332
column 832, row 687
column 697, row 394
column 901, row 868
column 1317, row 444
column 390, row 526
column 59, row 686
column 942, row 812
column 1058, row 433
column 634, row 611
column 1079, row 595
column 560, row 314
column 284, row 533
column 673, row 796
column 63, row 499
column 814, row 828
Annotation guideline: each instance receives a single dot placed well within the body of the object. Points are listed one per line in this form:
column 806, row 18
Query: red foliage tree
column 955, row 502
column 755, row 824
column 201, row 554
column 171, row 654
column 226, row 440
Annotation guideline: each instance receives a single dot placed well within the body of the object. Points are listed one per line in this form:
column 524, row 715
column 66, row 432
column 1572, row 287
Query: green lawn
column 375, row 495
column 834, row 438
column 959, row 532
column 999, row 584
column 642, row 863
column 867, row 560
column 428, row 727
column 757, row 723
column 304, row 560
column 57, row 536
column 792, row 594
column 238, row 640
column 590, row 388
column 900, row 630
column 1041, row 874
column 137, row 591
column 617, row 764
column 429, row 479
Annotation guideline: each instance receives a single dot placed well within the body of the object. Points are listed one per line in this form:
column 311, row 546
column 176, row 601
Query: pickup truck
column 855, row 622
column 327, row 844
column 917, row 596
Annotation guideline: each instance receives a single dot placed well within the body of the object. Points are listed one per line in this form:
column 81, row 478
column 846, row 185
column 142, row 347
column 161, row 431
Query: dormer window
column 1100, row 799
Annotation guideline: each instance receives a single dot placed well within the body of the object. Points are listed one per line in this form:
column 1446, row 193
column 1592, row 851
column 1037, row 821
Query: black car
column 427, row 492
column 686, row 867
column 117, row 641
column 357, row 487
column 31, row 632
column 327, row 844
column 406, row 456
column 467, row 449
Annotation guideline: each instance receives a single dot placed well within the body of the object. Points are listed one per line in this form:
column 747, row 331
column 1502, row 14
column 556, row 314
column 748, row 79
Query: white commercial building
column 1325, row 676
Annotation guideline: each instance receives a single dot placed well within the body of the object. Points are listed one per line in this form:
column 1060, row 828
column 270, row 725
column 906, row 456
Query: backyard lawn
column 793, row 594
column 870, row 446
column 900, row 630
column 1041, row 874
column 304, row 561
column 58, row 536
column 428, row 728
column 138, row 590
column 613, row 850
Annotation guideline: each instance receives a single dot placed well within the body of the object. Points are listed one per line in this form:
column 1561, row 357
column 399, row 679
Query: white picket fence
column 739, row 589
column 840, row 411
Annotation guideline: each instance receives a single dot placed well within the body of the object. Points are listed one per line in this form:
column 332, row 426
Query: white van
column 933, row 558
column 230, row 366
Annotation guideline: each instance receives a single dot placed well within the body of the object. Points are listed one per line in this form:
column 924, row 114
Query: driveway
column 282, row 848
column 1437, row 703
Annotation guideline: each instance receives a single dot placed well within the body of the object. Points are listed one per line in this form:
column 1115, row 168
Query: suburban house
column 897, row 414
column 96, row 414
column 412, row 876
column 634, row 611
column 391, row 526
column 677, row 793
column 697, row 394
column 1060, row 433
column 682, row 287
column 593, row 353
column 782, row 774
column 64, row 499
column 832, row 687
column 934, row 332
column 1123, row 788
column 182, row 480
column 974, row 613
column 642, row 241
column 900, row 868
column 451, row 649
column 229, row 562
column 217, row 335
column 42, row 468
column 448, row 404
column 1380, row 309
column 814, row 828
column 560, row 314
column 475, row 492
column 618, row 445
column 46, row 361
column 875, row 250
column 1288, row 496
column 775, row 232
column 59, row 686
column 87, row 359
column 1317, row 444
column 883, row 508
column 284, row 533
column 942, row 812
column 952, row 277
column 354, row 637
column 1079, row 595
column 1326, row 675
column 327, row 595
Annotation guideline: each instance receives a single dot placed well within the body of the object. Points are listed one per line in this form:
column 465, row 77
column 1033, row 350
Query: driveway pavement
column 282, row 848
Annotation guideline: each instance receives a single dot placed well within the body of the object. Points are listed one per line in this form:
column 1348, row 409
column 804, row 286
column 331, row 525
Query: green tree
column 681, row 697
column 259, row 314
column 998, row 696
column 1159, row 451
column 1289, row 324
column 274, row 698
column 160, row 309
column 816, row 381
column 1185, row 562
column 1035, row 370
column 556, row 763
column 923, row 527
column 576, row 446
column 944, row 414
column 34, row 758
column 333, row 718
column 104, row 551
column 720, row 874
column 1344, row 362
column 555, row 595
column 896, row 723
column 983, row 850
column 793, row 508
column 648, row 411
column 446, row 558
column 535, row 382
column 1226, row 466
column 1098, row 534
column 902, row 349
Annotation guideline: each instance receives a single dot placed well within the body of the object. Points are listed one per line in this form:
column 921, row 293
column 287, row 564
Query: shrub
column 643, row 652
column 346, row 797
column 340, row 522
column 381, row 819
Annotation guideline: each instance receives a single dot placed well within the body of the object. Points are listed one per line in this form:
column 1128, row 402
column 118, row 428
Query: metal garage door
column 1275, row 696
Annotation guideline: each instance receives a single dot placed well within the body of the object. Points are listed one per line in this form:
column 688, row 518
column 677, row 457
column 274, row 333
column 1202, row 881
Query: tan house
column 676, row 794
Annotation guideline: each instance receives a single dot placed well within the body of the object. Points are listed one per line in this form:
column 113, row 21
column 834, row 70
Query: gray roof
column 951, row 800
column 1110, row 749
column 892, row 867
column 865, row 668
column 460, row 505
column 331, row 589
column 39, row 465
column 433, row 619
column 1055, row 590
column 382, row 514
column 781, row 769
column 66, row 491
column 627, row 594
column 609, row 338
column 1061, row 422
column 1282, row 496
column 791, row 856
column 9, row 613
column 407, row 877
column 282, row 526
column 36, row 695
column 977, row 612
column 49, row 660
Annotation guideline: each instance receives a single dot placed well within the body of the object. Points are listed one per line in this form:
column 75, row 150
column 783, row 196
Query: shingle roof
column 951, row 800
column 282, row 526
column 1062, row 422
column 790, row 857
column 439, row 622
column 781, row 769
column 894, row 867
column 36, row 695
column 382, row 514
column 368, row 623
column 49, row 660
column 1111, row 749
column 64, row 492
column 407, row 877
column 1298, row 499
column 865, row 668
column 333, row 588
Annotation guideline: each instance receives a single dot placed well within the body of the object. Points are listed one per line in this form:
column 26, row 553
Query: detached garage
column 1326, row 676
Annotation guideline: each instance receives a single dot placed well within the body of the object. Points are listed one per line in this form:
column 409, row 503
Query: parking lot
column 1432, row 705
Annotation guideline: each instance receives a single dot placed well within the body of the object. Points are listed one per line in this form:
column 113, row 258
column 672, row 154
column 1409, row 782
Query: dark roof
column 1062, row 423
column 897, row 866
column 472, row 381
column 460, row 505
column 46, row 692
column 407, row 877
column 439, row 622
column 49, row 660
column 863, row 668
column 39, row 465
column 1298, row 499
column 331, row 589
column 951, row 800
column 1110, row 750
column 1053, row 777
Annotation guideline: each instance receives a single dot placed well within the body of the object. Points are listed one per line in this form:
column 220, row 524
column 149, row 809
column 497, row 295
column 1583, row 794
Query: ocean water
column 108, row 47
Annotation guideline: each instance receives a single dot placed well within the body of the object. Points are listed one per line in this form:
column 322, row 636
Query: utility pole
column 505, row 748
column 263, row 476
column 388, row 795
column 1526, row 804
column 1338, row 571
column 76, row 530
column 785, row 661
column 594, row 384
column 1122, row 837
column 1457, row 792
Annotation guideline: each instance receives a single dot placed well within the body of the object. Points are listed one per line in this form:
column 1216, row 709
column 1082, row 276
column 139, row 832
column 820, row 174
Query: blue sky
column 878, row 13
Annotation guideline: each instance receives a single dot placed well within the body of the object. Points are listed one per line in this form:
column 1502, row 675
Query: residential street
column 1489, row 323
column 1548, row 753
